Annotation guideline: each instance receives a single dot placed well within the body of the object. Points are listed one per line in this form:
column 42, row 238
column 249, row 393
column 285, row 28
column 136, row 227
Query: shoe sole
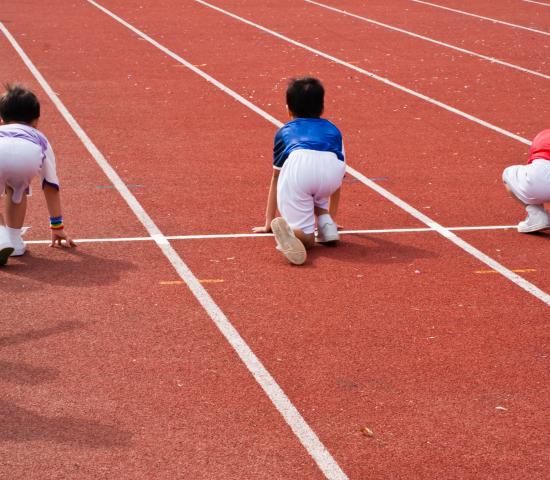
column 329, row 239
column 290, row 246
column 534, row 228
column 5, row 254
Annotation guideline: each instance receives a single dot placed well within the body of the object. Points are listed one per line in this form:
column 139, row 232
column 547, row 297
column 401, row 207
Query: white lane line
column 513, row 277
column 370, row 74
column 289, row 412
column 260, row 235
column 431, row 40
column 538, row 3
column 492, row 20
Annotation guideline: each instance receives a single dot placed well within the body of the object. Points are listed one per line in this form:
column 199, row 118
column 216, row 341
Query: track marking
column 513, row 277
column 367, row 73
column 282, row 403
column 538, row 3
column 252, row 235
column 517, row 270
column 172, row 282
column 431, row 40
column 136, row 185
column 493, row 20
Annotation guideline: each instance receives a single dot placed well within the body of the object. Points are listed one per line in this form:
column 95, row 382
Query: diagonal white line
column 492, row 20
column 369, row 74
column 538, row 3
column 214, row 236
column 445, row 232
column 431, row 40
column 292, row 416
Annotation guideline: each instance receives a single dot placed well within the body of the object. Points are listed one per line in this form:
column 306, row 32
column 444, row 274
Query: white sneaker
column 287, row 243
column 19, row 247
column 327, row 232
column 537, row 219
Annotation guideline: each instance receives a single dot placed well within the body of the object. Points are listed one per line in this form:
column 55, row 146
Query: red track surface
column 108, row 371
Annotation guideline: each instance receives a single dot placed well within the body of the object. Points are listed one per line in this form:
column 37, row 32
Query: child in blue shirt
column 309, row 165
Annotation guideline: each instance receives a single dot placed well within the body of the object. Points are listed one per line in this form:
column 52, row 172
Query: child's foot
column 19, row 247
column 14, row 235
column 327, row 229
column 287, row 243
column 537, row 219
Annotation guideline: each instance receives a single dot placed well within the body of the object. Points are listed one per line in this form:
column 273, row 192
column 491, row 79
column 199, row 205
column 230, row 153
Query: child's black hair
column 19, row 104
column 305, row 97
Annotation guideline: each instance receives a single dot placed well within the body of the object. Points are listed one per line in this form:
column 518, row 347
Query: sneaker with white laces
column 327, row 232
column 537, row 219
column 287, row 243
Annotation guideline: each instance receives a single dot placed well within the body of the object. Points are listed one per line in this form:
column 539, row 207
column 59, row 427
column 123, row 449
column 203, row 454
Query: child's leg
column 15, row 216
column 308, row 239
column 530, row 186
column 15, row 212
column 327, row 191
column 6, row 248
column 294, row 203
column 321, row 211
column 511, row 192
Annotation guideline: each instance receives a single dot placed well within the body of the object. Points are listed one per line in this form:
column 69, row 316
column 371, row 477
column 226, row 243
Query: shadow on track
column 22, row 425
column 71, row 268
column 24, row 337
column 24, row 374
column 362, row 248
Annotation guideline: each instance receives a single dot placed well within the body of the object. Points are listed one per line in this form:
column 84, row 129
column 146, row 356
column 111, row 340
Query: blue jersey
column 306, row 134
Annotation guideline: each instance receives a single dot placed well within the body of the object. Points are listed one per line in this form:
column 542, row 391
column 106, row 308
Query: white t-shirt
column 48, row 172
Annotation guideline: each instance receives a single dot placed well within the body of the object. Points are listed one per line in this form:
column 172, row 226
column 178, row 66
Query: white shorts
column 20, row 162
column 529, row 183
column 307, row 180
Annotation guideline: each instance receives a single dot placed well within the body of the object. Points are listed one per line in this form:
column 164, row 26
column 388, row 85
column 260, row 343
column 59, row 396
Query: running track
column 110, row 367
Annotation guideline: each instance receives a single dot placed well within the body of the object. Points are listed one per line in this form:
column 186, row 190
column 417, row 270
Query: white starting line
column 260, row 235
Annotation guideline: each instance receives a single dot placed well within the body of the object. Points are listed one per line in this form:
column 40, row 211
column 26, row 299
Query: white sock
column 322, row 220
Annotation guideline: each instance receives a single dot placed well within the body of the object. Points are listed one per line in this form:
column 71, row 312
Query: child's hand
column 265, row 229
column 57, row 239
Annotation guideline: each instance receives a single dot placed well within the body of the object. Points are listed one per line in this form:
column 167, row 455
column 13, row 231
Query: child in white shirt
column 25, row 153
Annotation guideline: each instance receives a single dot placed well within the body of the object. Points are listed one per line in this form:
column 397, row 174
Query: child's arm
column 271, row 204
column 53, row 201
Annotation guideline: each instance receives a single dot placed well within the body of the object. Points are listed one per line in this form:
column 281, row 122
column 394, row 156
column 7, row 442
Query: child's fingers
column 58, row 240
column 68, row 243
